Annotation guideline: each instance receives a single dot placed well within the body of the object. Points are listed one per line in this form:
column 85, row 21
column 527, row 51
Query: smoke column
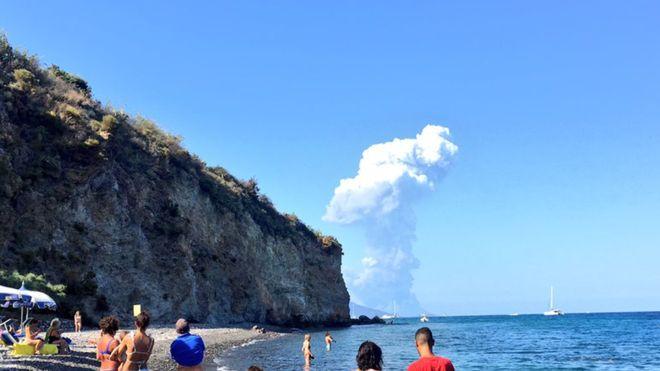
column 379, row 199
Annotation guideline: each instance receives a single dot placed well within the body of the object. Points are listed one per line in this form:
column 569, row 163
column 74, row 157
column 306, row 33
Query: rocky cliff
column 120, row 213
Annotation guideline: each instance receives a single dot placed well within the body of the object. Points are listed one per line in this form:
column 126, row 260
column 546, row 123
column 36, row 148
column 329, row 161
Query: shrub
column 71, row 114
column 158, row 142
column 109, row 123
column 329, row 242
column 293, row 218
column 72, row 79
column 24, row 80
column 251, row 186
column 91, row 142
column 32, row 281
column 266, row 200
column 95, row 125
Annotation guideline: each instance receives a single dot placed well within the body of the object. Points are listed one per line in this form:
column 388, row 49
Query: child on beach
column 307, row 350
column 328, row 341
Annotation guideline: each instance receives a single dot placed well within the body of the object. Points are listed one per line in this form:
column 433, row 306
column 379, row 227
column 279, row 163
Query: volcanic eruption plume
column 380, row 199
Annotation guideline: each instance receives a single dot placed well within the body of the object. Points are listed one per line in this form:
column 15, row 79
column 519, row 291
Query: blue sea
column 603, row 341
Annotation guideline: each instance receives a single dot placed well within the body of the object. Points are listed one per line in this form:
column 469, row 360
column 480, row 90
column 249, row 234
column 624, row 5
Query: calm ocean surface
column 603, row 341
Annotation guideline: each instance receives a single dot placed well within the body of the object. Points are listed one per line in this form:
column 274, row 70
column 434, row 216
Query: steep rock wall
column 116, row 210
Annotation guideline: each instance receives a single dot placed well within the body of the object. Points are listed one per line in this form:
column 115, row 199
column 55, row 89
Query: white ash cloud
column 380, row 198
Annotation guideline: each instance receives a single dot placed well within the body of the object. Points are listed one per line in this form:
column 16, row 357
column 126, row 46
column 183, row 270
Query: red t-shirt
column 431, row 364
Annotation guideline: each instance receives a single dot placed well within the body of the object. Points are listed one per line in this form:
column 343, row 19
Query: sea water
column 603, row 341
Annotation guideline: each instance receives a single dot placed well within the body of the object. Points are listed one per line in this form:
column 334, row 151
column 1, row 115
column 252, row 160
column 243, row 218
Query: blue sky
column 554, row 106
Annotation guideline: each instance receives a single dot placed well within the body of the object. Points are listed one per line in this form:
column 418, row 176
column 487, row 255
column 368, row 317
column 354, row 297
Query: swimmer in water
column 328, row 341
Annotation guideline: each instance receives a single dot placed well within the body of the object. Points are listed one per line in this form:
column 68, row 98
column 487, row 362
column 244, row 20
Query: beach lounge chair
column 6, row 337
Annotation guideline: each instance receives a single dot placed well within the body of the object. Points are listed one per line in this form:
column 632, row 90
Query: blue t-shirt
column 188, row 350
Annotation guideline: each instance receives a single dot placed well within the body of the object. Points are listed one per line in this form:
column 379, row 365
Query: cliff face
column 121, row 214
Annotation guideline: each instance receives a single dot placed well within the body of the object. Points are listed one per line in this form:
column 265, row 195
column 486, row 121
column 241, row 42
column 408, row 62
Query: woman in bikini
column 107, row 343
column 53, row 336
column 307, row 350
column 137, row 346
column 31, row 332
column 77, row 322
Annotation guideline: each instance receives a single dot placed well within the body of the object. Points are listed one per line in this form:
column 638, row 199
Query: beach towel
column 21, row 349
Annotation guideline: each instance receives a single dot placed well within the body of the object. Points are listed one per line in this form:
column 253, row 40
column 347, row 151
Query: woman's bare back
column 138, row 351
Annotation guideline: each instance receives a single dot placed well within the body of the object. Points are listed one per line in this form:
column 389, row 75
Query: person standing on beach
column 307, row 350
column 427, row 360
column 107, row 343
column 77, row 322
column 328, row 341
column 187, row 350
column 137, row 346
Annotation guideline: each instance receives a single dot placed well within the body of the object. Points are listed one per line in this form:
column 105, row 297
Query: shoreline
column 83, row 354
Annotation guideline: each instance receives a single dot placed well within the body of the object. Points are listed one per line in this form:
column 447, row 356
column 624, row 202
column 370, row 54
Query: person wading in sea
column 328, row 341
column 307, row 350
column 427, row 360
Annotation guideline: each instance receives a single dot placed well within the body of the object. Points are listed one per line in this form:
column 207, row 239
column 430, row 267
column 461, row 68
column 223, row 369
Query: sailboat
column 552, row 311
column 424, row 318
column 391, row 316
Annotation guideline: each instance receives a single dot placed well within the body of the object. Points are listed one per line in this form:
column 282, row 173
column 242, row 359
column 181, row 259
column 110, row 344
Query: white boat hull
column 553, row 312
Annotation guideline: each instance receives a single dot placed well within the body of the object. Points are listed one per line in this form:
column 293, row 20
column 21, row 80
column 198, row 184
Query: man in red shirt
column 427, row 360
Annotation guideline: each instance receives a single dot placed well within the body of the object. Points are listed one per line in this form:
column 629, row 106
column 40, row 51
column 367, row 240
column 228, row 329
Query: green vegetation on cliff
column 51, row 102
column 87, row 192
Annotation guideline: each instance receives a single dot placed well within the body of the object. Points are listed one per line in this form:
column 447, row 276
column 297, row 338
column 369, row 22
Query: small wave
column 248, row 343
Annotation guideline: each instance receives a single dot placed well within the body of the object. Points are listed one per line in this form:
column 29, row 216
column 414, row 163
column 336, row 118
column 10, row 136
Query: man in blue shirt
column 187, row 349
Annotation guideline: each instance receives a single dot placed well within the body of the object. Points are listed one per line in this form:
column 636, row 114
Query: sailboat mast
column 552, row 297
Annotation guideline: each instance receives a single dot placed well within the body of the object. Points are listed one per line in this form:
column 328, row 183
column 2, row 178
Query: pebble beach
column 83, row 354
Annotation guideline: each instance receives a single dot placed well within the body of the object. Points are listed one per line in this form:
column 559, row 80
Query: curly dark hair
column 369, row 356
column 109, row 325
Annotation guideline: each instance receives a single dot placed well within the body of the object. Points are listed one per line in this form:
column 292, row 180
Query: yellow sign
column 137, row 309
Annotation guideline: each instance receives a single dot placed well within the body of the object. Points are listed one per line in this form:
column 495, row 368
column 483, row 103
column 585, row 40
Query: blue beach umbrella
column 29, row 299
column 38, row 299
column 25, row 300
column 6, row 291
column 13, row 298
column 11, row 295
